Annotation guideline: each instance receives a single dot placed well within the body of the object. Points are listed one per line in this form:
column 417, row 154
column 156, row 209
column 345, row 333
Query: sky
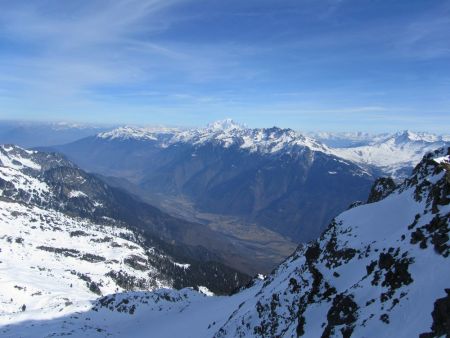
column 337, row 65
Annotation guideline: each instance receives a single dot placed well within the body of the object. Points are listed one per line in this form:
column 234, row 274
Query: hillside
column 47, row 196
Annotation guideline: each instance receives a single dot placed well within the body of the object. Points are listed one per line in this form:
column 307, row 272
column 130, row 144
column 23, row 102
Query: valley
column 364, row 275
column 272, row 177
column 131, row 249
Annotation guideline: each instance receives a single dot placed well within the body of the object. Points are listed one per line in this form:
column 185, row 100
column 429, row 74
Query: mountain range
column 379, row 269
column 229, row 176
column 275, row 178
column 389, row 152
column 395, row 154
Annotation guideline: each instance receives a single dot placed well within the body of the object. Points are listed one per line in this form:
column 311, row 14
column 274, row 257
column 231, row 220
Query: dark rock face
column 294, row 193
column 381, row 188
column 436, row 232
column 343, row 312
column 441, row 318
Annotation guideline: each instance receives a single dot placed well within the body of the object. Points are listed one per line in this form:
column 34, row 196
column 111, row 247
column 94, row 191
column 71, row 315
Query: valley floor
column 256, row 249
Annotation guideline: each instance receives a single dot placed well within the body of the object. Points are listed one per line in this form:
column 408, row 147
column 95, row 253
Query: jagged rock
column 381, row 188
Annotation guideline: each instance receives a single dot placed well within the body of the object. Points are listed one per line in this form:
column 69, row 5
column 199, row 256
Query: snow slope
column 379, row 270
column 54, row 264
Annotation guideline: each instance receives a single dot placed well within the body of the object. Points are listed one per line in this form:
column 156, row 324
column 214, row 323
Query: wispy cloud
column 80, row 47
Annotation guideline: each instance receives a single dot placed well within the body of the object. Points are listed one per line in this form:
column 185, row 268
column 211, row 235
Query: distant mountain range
column 388, row 152
column 276, row 178
column 345, row 139
column 394, row 154
column 380, row 269
column 357, row 139
column 39, row 134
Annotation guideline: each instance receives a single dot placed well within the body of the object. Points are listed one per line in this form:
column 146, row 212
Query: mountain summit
column 226, row 124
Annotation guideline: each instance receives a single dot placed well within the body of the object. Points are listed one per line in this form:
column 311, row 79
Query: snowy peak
column 367, row 272
column 275, row 139
column 370, row 280
column 15, row 157
column 137, row 133
column 226, row 124
column 409, row 136
column 128, row 133
column 226, row 133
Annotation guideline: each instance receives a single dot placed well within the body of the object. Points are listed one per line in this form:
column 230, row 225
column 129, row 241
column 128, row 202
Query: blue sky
column 370, row 65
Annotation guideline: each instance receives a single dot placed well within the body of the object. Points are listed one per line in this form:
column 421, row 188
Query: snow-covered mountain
column 394, row 154
column 266, row 140
column 226, row 133
column 138, row 133
column 379, row 270
column 272, row 177
column 55, row 214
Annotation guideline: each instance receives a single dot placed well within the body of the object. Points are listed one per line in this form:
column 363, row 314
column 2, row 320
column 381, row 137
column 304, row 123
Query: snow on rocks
column 17, row 158
column 443, row 159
